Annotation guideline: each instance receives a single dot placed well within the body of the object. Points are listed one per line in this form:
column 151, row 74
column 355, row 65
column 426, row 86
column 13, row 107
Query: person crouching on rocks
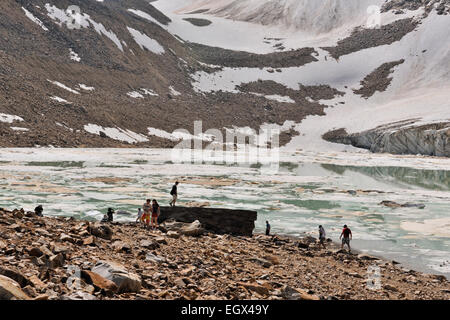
column 38, row 211
column 346, row 236
column 155, row 214
column 110, row 214
column 322, row 236
column 147, row 212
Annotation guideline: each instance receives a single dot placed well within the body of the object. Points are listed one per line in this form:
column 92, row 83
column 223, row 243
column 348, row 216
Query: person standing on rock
column 267, row 228
column 346, row 236
column 322, row 236
column 174, row 194
column 155, row 214
column 147, row 207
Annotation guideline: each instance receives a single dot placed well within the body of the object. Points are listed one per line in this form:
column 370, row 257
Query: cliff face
column 220, row 221
column 430, row 139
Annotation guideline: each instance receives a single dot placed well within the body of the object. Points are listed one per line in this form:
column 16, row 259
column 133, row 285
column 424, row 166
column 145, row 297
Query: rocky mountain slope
column 128, row 73
column 64, row 259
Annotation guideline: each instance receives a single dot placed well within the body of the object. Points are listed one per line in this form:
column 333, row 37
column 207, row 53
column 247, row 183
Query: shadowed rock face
column 220, row 221
column 399, row 138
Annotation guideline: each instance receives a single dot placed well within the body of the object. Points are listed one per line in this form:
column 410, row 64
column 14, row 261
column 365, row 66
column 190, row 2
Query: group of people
column 346, row 236
column 149, row 213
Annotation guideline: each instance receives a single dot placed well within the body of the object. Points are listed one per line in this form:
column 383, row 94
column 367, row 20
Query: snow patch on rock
column 146, row 42
column 9, row 118
column 34, row 19
column 116, row 133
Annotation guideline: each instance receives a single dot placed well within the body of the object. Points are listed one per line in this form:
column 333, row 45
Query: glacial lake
column 303, row 191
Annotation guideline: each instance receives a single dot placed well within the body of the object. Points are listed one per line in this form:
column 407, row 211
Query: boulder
column 161, row 240
column 121, row 246
column 16, row 276
column 173, row 234
column 124, row 280
column 79, row 295
column 98, row 281
column 37, row 283
column 66, row 238
column 193, row 229
column 100, row 230
column 89, row 241
column 220, row 221
column 392, row 204
column 56, row 261
column 262, row 290
column 390, row 288
column 152, row 258
column 263, row 262
column 364, row 256
column 149, row 244
column 46, row 251
column 35, row 252
column 10, row 290
column 290, row 293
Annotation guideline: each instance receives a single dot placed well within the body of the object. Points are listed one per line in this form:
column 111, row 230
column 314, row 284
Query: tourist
column 155, row 214
column 110, row 214
column 322, row 236
column 147, row 211
column 38, row 211
column 174, row 194
column 346, row 236
column 139, row 216
column 267, row 228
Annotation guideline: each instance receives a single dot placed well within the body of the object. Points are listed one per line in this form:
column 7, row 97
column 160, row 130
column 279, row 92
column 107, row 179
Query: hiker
column 322, row 236
column 38, row 211
column 346, row 236
column 110, row 214
column 267, row 228
column 139, row 216
column 174, row 194
column 147, row 207
column 155, row 214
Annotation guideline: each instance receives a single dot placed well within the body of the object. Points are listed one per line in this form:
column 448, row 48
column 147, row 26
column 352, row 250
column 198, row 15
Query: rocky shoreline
column 59, row 258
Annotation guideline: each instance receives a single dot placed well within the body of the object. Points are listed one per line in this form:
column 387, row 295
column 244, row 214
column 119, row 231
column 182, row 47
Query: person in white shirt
column 322, row 236
column 139, row 216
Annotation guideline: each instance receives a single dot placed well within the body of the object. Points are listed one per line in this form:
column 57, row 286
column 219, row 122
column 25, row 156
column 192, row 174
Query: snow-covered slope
column 420, row 86
column 306, row 15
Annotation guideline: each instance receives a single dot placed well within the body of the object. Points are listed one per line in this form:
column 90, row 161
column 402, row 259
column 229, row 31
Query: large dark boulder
column 220, row 221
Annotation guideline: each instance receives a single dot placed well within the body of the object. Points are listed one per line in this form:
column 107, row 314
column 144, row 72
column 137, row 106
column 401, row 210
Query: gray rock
column 173, row 234
column 153, row 258
column 79, row 295
column 125, row 281
column 194, row 229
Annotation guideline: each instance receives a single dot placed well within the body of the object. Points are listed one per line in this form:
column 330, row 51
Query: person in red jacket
column 346, row 236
